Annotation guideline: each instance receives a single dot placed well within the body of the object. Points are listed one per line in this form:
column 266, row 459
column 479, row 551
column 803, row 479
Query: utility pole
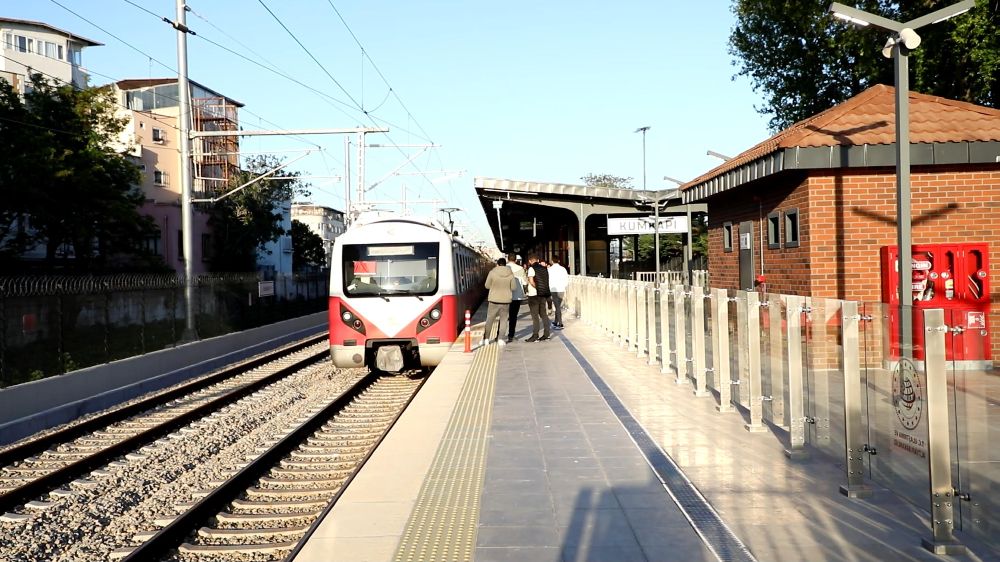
column 347, row 177
column 187, row 217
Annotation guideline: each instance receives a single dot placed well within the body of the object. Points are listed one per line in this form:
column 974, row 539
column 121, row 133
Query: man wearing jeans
column 538, row 294
column 558, row 281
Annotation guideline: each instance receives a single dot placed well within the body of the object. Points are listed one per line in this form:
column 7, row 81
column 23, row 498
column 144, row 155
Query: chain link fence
column 50, row 325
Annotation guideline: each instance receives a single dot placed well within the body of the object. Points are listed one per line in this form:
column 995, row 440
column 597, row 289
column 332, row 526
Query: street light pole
column 904, row 39
column 656, row 212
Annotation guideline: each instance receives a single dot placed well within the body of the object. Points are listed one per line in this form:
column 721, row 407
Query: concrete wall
column 31, row 407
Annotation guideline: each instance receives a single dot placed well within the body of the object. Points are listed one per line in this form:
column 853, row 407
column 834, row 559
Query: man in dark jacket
column 500, row 283
column 538, row 295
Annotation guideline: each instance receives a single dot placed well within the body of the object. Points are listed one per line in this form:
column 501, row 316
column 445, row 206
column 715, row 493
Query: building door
column 746, row 256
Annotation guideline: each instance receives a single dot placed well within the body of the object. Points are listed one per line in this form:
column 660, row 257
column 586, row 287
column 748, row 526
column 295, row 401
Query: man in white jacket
column 558, row 281
column 519, row 296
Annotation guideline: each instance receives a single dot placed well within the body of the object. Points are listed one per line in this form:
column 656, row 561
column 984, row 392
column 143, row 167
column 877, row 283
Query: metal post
column 187, row 187
column 942, row 495
column 347, row 177
column 698, row 339
column 755, row 403
column 581, row 218
column 796, row 405
column 854, row 440
column 743, row 347
column 903, row 240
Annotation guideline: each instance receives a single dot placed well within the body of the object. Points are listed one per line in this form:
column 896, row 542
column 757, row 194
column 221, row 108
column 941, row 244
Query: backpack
column 541, row 280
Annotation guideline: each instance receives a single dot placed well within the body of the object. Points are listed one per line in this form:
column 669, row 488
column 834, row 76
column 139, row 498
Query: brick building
column 816, row 202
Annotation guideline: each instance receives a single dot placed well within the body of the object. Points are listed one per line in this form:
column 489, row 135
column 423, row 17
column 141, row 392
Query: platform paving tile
column 518, row 554
column 587, row 462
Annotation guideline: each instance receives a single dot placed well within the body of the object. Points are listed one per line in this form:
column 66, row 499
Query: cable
column 377, row 70
column 144, row 9
column 283, row 26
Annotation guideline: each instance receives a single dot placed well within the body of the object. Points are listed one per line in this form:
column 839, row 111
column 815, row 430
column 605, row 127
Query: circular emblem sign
column 907, row 394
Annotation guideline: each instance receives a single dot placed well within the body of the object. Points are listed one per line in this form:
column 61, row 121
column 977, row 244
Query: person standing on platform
column 518, row 296
column 500, row 283
column 538, row 294
column 558, row 281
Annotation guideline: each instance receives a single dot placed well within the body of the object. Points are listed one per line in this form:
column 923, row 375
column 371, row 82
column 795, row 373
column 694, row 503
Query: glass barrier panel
column 824, row 382
column 974, row 393
column 897, row 425
column 773, row 359
column 688, row 333
column 707, row 315
column 734, row 346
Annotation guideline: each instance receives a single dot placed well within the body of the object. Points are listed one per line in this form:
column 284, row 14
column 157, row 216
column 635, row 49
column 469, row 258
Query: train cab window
column 390, row 269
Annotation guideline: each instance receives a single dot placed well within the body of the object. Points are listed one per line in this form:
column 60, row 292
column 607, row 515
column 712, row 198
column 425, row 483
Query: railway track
column 265, row 508
column 33, row 471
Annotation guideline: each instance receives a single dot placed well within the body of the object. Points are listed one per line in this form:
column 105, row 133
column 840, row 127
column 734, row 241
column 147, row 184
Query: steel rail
column 170, row 536
column 39, row 486
column 35, row 446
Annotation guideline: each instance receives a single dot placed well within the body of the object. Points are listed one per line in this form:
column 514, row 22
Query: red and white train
column 399, row 289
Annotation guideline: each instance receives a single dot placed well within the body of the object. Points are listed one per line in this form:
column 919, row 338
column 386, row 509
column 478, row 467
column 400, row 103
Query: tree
column 60, row 176
column 607, row 180
column 307, row 248
column 804, row 61
column 245, row 221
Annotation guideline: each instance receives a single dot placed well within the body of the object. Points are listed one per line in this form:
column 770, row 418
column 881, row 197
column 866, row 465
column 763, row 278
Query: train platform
column 575, row 449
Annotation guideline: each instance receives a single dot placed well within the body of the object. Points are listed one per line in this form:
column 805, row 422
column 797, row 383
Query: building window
column 773, row 230
column 727, row 237
column 159, row 177
column 75, row 55
column 180, row 245
column 159, row 136
column 206, row 247
column 8, row 41
column 792, row 228
column 151, row 245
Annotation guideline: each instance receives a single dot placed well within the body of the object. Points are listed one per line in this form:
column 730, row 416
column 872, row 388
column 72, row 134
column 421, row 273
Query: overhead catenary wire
column 335, row 81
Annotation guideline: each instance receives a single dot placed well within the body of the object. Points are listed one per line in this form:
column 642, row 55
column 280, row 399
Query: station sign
column 644, row 225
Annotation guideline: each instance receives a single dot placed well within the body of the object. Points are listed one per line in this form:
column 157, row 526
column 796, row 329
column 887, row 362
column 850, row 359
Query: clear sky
column 539, row 91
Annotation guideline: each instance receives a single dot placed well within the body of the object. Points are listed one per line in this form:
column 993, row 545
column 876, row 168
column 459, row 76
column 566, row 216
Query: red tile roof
column 870, row 118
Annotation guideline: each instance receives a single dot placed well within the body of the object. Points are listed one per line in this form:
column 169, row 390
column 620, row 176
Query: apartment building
column 326, row 222
column 31, row 46
column 152, row 136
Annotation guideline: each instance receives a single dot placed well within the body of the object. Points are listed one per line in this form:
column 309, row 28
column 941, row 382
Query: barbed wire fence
column 50, row 325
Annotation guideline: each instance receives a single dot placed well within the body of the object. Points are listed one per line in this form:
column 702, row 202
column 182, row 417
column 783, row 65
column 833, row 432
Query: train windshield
column 390, row 269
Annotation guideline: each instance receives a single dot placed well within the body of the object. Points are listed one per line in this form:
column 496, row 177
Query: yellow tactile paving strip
column 442, row 525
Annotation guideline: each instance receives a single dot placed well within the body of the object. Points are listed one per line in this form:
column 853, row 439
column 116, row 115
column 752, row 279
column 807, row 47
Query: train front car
column 397, row 288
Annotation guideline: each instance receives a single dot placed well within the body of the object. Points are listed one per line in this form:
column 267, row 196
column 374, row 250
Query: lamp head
column 887, row 50
column 909, row 38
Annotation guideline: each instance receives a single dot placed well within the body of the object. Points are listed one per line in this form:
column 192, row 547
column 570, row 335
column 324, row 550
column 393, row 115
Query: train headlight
column 436, row 314
column 346, row 316
column 424, row 322
column 357, row 324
